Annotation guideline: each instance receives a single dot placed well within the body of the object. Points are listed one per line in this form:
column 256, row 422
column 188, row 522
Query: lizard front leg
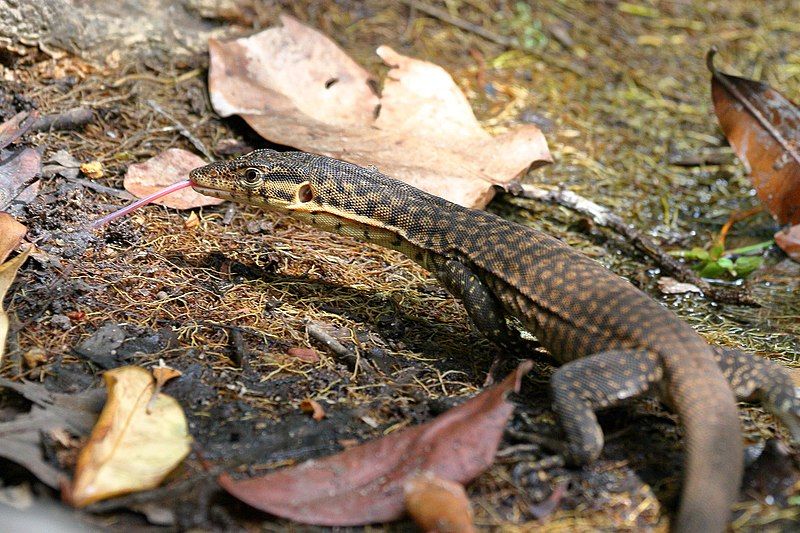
column 483, row 308
column 755, row 378
column 601, row 380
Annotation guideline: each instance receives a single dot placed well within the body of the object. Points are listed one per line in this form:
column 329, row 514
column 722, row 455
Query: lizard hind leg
column 756, row 378
column 605, row 379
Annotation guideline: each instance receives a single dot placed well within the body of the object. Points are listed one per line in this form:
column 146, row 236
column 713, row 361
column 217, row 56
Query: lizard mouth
column 211, row 191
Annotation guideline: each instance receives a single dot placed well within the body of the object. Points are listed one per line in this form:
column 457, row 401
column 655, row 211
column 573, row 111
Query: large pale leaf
column 763, row 128
column 365, row 484
column 295, row 87
column 135, row 443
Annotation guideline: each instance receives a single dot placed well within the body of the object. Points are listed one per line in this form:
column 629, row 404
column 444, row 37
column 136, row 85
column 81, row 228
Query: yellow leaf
column 8, row 271
column 130, row 449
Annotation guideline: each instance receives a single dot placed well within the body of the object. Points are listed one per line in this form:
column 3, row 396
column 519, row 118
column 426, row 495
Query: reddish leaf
column 789, row 241
column 364, row 485
column 307, row 355
column 763, row 128
column 18, row 173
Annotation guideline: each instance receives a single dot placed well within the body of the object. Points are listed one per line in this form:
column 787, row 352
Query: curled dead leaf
column 34, row 357
column 763, row 128
column 129, row 449
column 307, row 355
column 11, row 234
column 438, row 505
column 92, row 169
column 167, row 168
column 313, row 408
column 8, row 272
column 18, row 177
column 164, row 374
column 789, row 241
column 668, row 285
column 364, row 484
column 192, row 221
column 295, row 86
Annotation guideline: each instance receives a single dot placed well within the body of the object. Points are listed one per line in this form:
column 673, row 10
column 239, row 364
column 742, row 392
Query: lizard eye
column 251, row 178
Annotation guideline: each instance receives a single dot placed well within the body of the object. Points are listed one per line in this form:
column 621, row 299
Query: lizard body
column 612, row 340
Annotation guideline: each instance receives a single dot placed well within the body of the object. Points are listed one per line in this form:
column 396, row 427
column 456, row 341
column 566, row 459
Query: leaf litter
column 296, row 87
column 135, row 443
column 365, row 484
column 629, row 154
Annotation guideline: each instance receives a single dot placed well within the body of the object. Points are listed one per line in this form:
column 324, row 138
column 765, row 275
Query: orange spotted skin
column 612, row 340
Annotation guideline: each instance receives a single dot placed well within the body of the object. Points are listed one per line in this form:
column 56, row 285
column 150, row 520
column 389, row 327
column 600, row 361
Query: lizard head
column 265, row 178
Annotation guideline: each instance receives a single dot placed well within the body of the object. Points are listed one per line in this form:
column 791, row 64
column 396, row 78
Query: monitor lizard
column 613, row 342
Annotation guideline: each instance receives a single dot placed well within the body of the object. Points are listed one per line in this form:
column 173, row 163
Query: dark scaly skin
column 613, row 341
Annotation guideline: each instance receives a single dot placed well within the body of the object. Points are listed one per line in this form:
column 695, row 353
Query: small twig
column 444, row 16
column 119, row 193
column 489, row 35
column 317, row 332
column 735, row 217
column 716, row 157
column 70, row 119
column 183, row 130
column 350, row 357
column 603, row 217
column 163, row 81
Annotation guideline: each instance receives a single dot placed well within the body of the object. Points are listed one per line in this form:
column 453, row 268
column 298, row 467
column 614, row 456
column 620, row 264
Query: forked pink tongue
column 139, row 203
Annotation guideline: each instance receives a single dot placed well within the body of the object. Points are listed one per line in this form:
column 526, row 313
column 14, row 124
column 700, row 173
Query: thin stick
column 604, row 217
column 489, row 35
column 183, row 130
column 71, row 119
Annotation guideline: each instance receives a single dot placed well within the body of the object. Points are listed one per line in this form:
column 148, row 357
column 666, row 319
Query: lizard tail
column 714, row 457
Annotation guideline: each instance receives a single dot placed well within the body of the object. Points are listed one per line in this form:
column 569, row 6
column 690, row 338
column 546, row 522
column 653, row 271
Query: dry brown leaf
column 167, row 168
column 18, row 177
column 21, row 437
column 313, row 408
column 129, row 449
column 763, row 128
column 794, row 374
column 294, row 86
column 92, row 169
column 34, row 357
column 192, row 221
column 11, row 234
column 789, row 241
column 8, row 271
column 364, row 485
column 164, row 374
column 307, row 355
column 668, row 285
column 438, row 505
